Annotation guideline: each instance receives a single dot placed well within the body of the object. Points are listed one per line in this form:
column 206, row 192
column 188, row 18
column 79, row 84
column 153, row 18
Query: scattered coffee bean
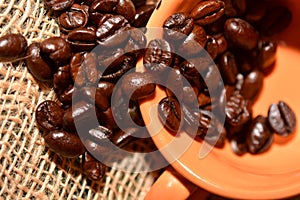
column 12, row 47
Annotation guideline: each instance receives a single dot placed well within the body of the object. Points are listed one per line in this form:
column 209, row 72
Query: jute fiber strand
column 28, row 170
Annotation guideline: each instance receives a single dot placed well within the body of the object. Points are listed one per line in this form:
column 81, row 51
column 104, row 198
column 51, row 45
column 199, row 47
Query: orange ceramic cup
column 270, row 175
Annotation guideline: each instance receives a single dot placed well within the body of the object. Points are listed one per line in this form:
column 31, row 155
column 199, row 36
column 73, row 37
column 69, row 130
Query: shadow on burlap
column 28, row 170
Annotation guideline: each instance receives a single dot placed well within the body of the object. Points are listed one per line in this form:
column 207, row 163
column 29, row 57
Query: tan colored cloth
column 27, row 169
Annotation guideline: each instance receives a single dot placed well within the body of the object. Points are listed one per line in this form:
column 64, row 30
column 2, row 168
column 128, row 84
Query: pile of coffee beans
column 238, row 36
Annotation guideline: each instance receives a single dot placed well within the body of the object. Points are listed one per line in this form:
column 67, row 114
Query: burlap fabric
column 28, row 170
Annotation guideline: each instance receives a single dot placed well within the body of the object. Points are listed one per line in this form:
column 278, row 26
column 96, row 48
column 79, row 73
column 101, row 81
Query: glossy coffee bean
column 174, row 84
column 106, row 88
column 67, row 96
column 62, row 79
column 95, row 97
column 136, row 42
column 93, row 169
column 158, row 56
column 212, row 47
column 37, row 66
column 138, row 85
column 57, row 49
column 240, row 33
column 178, row 26
column 235, row 8
column 75, row 17
column 192, row 68
column 142, row 15
column 252, row 85
column 49, row 116
column 239, row 145
column 266, row 54
column 122, row 138
column 58, row 5
column 126, row 8
column 206, row 12
column 282, row 119
column 64, row 143
column 170, row 113
column 111, row 30
column 12, row 46
column 222, row 43
column 259, row 137
column 82, row 39
column 229, row 69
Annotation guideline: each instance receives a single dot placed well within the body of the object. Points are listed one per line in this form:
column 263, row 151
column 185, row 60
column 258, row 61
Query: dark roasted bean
column 73, row 18
column 122, row 138
column 239, row 145
column 112, row 30
column 170, row 113
column 229, row 69
column 158, row 56
column 96, row 97
column 222, row 43
column 252, row 85
column 111, row 59
column 240, row 33
column 235, row 8
column 57, row 49
column 49, row 115
column 58, row 5
column 206, row 12
column 107, row 119
column 212, row 47
column 142, row 16
column 12, row 46
column 126, row 8
column 82, row 39
column 62, row 79
column 64, row 143
column 276, row 20
column 282, row 119
column 178, row 26
column 266, row 54
column 174, row 84
column 136, row 43
column 138, row 85
column 259, row 137
column 106, row 88
column 37, row 66
column 66, row 97
column 93, row 169
column 135, row 113
column 192, row 68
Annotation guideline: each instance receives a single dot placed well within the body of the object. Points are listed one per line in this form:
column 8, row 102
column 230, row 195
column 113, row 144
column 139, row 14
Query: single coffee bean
column 57, row 49
column 158, row 56
column 93, row 169
column 259, row 137
column 58, row 5
column 64, row 143
column 212, row 47
column 111, row 30
column 106, row 118
column 276, row 20
column 95, row 96
column 239, row 145
column 252, row 85
column 62, row 79
column 67, row 96
column 106, row 88
column 138, row 85
column 12, row 46
column 135, row 113
column 222, row 43
column 235, row 8
column 37, row 66
column 100, row 135
column 178, row 26
column 282, row 119
column 142, row 16
column 109, row 60
column 170, row 113
column 49, row 116
column 192, row 67
column 136, row 42
column 127, row 9
column 266, row 54
column 206, row 12
column 75, row 17
column 122, row 138
column 82, row 39
column 240, row 33
column 229, row 69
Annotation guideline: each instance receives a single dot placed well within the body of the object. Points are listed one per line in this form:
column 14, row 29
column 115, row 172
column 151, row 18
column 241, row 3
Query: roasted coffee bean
column 111, row 59
column 106, row 88
column 136, row 42
column 126, row 8
column 174, row 84
column 252, row 85
column 100, row 135
column 194, row 42
column 217, row 26
column 238, row 110
column 192, row 67
column 240, row 33
column 75, row 17
column 67, row 96
column 135, row 113
column 82, row 39
column 95, row 96
column 122, row 138
column 93, row 169
column 229, row 69
column 158, row 56
column 57, row 49
column 81, row 113
column 266, row 54
column 206, row 12
column 64, row 143
column 259, row 137
column 276, row 20
column 12, row 47
column 282, row 119
column 212, row 47
column 62, row 79
column 239, row 145
column 178, row 26
column 37, row 66
column 106, row 118
column 222, row 43
column 49, row 116
column 170, row 113
column 58, row 5
column 235, row 8
column 112, row 30
column 138, row 85
column 142, row 16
